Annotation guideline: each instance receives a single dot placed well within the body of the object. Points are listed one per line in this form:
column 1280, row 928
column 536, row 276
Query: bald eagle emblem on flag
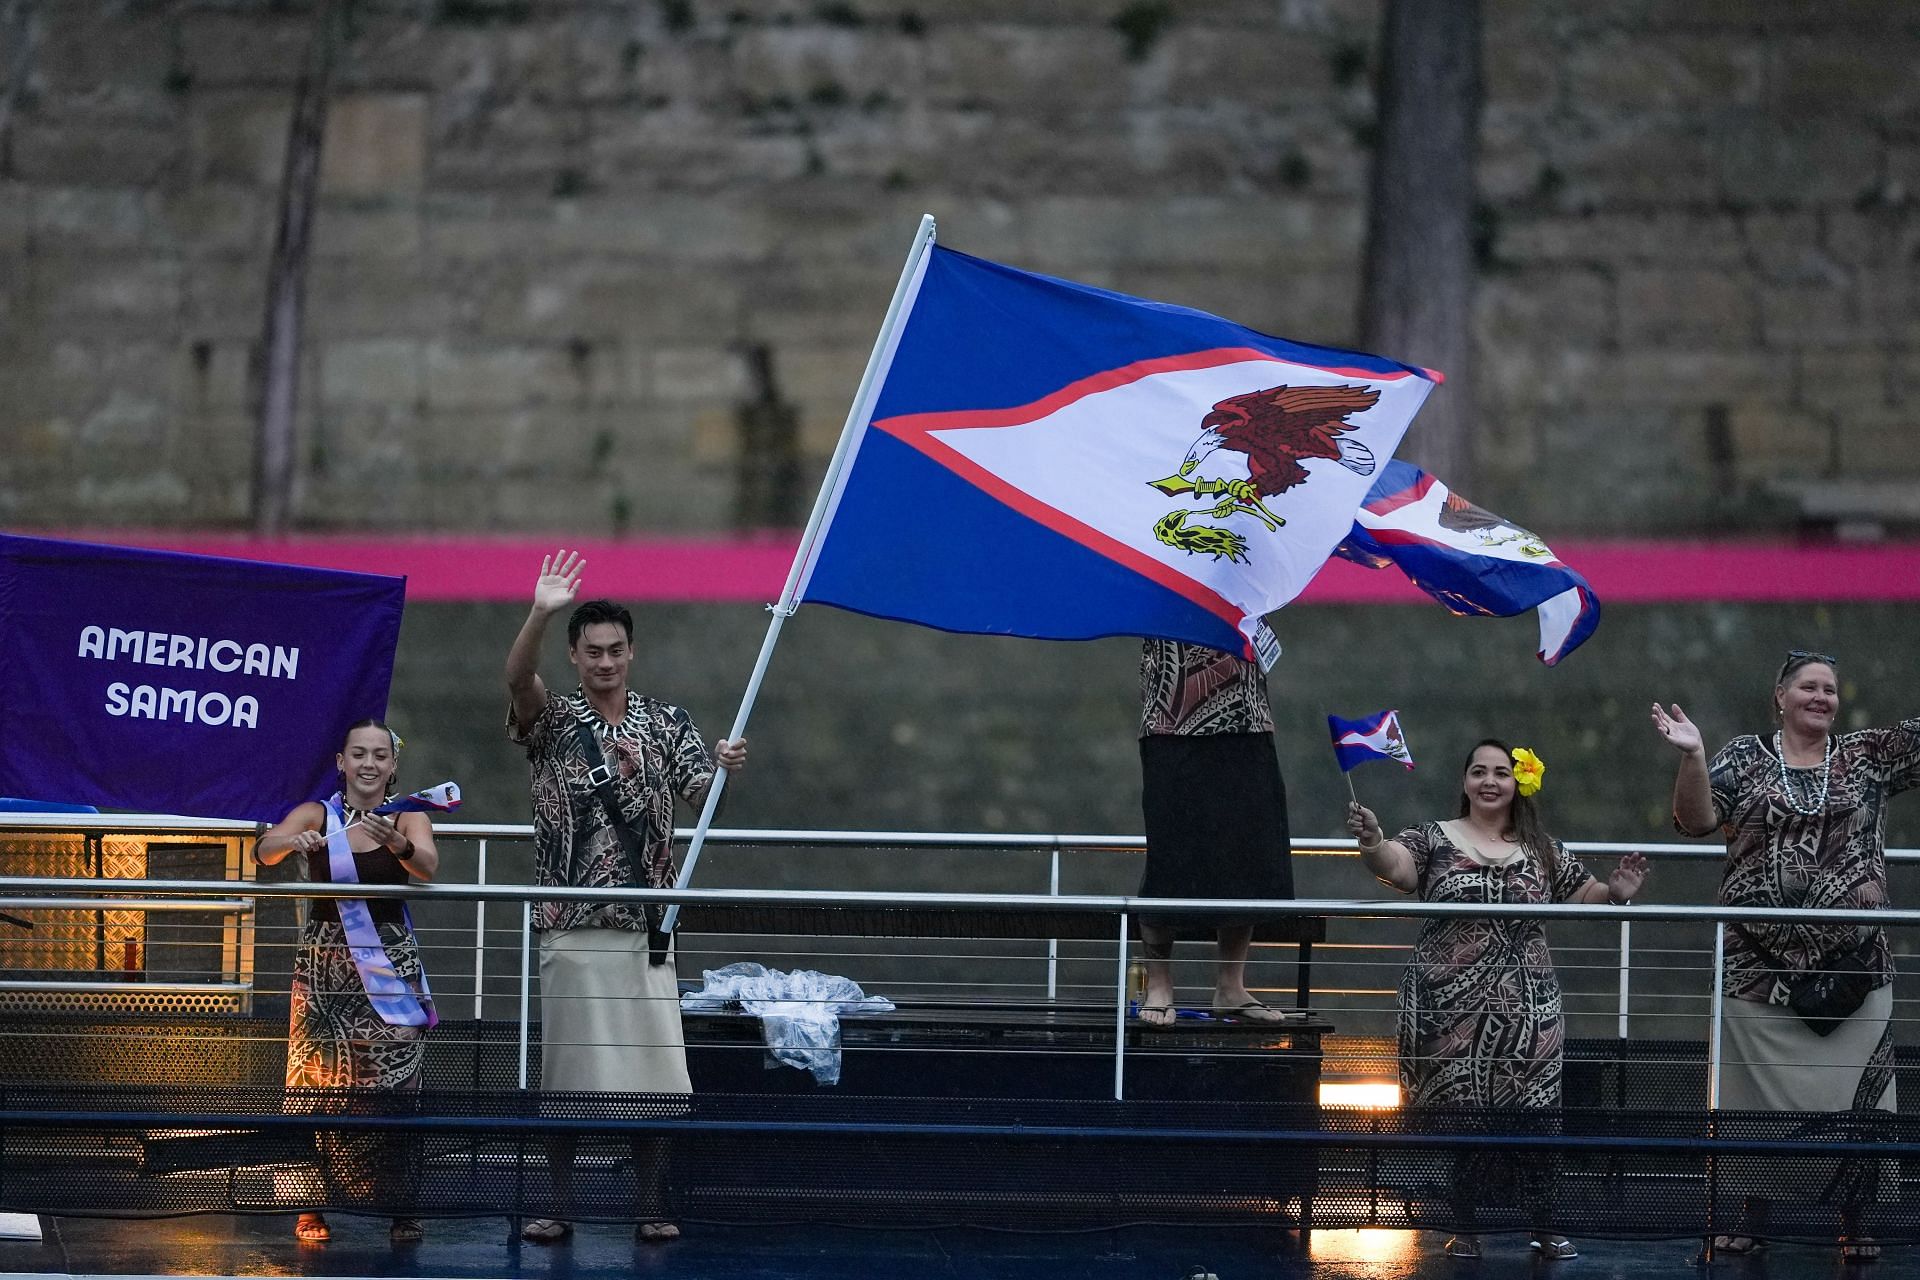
column 1274, row 431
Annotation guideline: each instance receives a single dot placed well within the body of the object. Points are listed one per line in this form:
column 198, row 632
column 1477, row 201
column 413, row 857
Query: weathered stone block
column 1772, row 440
column 116, row 218
column 1667, row 71
column 212, row 377
column 1680, row 377
column 1683, row 237
column 351, row 299
column 1708, row 310
column 211, row 217
column 1841, row 382
column 1760, row 160
column 239, row 135
column 226, row 296
column 366, row 230
column 1810, row 315
column 461, row 375
column 372, row 372
column 1879, row 443
column 98, row 289
column 375, row 145
column 1544, row 308
column 242, row 50
column 686, row 228
column 80, row 152
column 701, row 375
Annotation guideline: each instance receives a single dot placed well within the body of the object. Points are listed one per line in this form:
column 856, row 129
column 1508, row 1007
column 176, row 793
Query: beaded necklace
column 1786, row 786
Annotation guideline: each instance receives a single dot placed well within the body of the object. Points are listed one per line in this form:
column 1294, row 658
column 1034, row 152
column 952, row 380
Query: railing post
column 1120, row 1015
column 1714, row 1010
column 1053, row 944
column 480, row 937
column 1626, row 971
column 526, row 980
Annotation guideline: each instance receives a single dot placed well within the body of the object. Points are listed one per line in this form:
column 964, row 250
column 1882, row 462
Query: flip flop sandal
column 1555, row 1247
column 1150, row 1024
column 546, row 1231
column 656, row 1232
column 1738, row 1246
column 311, row 1228
column 1251, row 1011
column 1461, row 1247
column 406, row 1231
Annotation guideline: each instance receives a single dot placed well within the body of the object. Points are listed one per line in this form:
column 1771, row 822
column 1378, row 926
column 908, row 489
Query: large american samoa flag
column 1470, row 560
column 1048, row 459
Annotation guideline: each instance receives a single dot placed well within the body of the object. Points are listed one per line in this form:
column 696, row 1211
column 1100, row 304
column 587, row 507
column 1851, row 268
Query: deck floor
column 472, row 1249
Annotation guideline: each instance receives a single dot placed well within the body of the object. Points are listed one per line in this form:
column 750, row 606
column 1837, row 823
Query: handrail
column 25, row 893
column 1015, row 841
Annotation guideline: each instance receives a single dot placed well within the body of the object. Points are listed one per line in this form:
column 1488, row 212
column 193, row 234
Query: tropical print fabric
column 1191, row 689
column 655, row 753
column 1480, row 1014
column 1780, row 856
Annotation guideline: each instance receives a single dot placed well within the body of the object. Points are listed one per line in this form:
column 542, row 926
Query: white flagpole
column 857, row 415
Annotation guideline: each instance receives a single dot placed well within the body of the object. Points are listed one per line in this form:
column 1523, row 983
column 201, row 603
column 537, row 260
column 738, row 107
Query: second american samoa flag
column 1470, row 560
column 1375, row 737
column 1048, row 459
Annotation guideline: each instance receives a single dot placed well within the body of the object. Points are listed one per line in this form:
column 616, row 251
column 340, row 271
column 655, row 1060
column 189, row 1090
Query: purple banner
column 195, row 685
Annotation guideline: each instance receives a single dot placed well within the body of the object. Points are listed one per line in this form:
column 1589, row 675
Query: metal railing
column 29, row 893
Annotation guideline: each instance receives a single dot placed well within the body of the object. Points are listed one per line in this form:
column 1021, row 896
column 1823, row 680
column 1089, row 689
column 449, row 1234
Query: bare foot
column 656, row 1232
column 311, row 1228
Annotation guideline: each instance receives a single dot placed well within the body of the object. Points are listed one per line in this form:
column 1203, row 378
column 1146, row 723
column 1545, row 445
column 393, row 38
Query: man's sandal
column 406, row 1231
column 1462, row 1246
column 1857, row 1250
column 656, row 1232
column 1738, row 1246
column 1162, row 1015
column 546, row 1231
column 312, row 1228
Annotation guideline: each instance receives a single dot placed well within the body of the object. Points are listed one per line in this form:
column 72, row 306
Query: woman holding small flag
column 361, row 1006
column 1480, row 1014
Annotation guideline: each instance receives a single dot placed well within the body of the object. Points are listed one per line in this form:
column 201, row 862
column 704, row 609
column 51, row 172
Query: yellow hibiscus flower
column 1528, row 770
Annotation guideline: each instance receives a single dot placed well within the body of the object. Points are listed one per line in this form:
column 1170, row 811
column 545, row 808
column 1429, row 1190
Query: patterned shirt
column 655, row 753
column 1189, row 688
column 1777, row 857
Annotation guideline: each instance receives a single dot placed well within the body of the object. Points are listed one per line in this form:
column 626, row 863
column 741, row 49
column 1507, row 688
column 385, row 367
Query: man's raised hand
column 559, row 581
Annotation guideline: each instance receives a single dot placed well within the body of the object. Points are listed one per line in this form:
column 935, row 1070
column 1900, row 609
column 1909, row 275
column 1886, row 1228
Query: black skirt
column 1216, row 821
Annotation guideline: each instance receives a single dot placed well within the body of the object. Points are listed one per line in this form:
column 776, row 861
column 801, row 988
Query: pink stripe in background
column 753, row 569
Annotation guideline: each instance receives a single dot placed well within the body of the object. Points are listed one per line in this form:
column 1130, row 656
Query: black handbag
column 1831, row 993
column 1833, row 990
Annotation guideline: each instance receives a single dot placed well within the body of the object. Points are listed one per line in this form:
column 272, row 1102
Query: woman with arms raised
column 1803, row 812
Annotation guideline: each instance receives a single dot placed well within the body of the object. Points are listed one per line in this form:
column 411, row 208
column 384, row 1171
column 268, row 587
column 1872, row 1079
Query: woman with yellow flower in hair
column 1480, row 1017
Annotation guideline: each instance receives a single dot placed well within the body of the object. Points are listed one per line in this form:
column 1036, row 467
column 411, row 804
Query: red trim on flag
column 911, row 426
column 481, row 568
column 1406, row 497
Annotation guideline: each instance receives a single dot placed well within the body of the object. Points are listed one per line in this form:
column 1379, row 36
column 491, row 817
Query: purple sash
column 387, row 991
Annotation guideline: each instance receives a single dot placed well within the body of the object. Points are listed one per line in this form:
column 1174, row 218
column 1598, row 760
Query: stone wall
column 572, row 252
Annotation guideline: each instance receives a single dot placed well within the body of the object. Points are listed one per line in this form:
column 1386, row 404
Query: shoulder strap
column 600, row 778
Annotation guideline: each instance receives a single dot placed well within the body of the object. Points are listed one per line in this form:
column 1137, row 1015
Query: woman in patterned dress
column 1803, row 812
column 1480, row 1017
column 336, row 1039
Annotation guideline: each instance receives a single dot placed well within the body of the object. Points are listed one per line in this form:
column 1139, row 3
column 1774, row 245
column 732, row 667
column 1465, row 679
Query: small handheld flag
column 441, row 799
column 1375, row 737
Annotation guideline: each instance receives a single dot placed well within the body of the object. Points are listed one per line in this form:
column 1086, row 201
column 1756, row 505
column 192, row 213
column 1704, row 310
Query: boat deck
column 220, row 1245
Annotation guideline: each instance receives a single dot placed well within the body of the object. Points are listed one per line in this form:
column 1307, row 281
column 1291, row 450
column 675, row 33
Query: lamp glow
column 1375, row 1095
